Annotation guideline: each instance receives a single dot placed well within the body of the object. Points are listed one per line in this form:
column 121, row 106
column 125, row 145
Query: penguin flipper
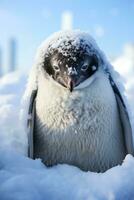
column 30, row 124
column 126, row 125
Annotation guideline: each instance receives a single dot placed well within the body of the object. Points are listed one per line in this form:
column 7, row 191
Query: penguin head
column 72, row 65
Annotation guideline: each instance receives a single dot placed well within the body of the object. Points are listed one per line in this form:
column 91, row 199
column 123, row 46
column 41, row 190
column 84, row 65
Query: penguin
column 78, row 115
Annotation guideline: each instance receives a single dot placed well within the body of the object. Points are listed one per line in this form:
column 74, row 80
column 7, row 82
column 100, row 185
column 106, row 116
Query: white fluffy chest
column 60, row 109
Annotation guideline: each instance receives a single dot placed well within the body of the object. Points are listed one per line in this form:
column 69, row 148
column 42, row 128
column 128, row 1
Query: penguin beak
column 71, row 83
column 72, row 78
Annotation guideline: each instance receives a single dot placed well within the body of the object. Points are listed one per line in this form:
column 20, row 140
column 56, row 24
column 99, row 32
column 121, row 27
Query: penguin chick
column 80, row 117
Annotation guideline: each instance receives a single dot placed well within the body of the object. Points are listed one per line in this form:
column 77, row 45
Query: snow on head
column 66, row 41
column 23, row 178
column 69, row 43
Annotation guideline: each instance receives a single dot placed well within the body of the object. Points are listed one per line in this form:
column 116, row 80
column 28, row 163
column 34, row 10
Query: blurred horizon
column 29, row 23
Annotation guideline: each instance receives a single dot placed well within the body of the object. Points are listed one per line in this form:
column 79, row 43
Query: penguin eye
column 56, row 68
column 84, row 67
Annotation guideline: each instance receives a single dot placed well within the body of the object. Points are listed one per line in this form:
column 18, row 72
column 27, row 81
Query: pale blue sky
column 111, row 23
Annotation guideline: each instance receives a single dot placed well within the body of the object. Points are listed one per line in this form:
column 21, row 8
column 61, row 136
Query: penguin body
column 80, row 126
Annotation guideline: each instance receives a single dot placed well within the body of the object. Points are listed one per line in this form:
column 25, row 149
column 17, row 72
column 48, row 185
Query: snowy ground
column 24, row 179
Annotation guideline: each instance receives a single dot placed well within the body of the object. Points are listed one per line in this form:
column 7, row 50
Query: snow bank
column 12, row 133
column 24, row 179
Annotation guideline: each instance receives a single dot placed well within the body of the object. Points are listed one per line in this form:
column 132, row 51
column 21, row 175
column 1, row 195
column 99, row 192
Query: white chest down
column 81, row 128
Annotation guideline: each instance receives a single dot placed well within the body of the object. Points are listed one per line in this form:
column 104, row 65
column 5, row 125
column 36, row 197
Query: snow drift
column 26, row 179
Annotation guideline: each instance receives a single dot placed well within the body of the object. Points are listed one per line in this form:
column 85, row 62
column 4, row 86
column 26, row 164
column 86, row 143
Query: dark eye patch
column 90, row 67
column 89, row 63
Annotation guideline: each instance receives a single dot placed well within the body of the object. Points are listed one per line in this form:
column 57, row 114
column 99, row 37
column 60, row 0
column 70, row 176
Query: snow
column 22, row 178
column 26, row 179
column 12, row 87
